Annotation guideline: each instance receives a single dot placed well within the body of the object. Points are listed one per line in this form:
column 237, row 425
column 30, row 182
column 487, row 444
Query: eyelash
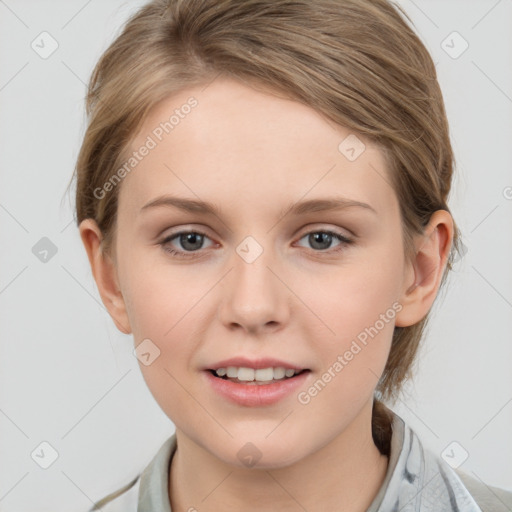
column 344, row 241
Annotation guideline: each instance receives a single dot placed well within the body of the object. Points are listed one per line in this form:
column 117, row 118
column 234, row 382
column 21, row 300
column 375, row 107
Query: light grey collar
column 154, row 480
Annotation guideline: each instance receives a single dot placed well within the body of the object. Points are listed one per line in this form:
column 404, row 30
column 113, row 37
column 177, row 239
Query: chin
column 276, row 453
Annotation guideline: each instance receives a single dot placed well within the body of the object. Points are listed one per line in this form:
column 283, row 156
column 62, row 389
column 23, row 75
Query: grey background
column 69, row 378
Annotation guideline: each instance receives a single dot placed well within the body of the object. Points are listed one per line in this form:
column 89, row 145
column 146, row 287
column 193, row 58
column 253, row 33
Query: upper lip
column 263, row 362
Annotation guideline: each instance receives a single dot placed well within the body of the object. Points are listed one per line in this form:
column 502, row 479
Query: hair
column 357, row 62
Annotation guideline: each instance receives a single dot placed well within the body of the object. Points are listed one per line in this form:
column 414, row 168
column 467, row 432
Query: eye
column 190, row 241
column 322, row 240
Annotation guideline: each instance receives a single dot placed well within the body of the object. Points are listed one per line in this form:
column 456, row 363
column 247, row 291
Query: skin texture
column 253, row 153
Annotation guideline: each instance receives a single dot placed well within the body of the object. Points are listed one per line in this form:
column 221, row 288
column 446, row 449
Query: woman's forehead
column 240, row 140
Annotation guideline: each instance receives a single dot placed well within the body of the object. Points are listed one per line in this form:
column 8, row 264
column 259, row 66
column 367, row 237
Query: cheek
column 351, row 361
column 164, row 309
column 358, row 304
column 163, row 303
column 160, row 297
column 353, row 297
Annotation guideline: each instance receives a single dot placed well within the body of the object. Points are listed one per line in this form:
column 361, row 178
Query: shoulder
column 148, row 488
column 124, row 499
column 489, row 498
column 422, row 480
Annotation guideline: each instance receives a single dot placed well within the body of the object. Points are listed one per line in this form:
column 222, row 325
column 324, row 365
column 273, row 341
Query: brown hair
column 358, row 62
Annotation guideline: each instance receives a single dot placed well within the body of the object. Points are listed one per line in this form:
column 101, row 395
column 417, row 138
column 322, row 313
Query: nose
column 254, row 297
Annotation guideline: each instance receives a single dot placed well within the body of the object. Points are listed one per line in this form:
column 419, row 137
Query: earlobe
column 105, row 275
column 423, row 275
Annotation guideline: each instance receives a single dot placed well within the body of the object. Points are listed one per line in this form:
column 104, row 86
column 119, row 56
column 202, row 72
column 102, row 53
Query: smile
column 255, row 376
column 249, row 391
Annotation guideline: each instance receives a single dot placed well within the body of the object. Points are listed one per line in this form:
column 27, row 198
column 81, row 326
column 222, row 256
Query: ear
column 423, row 275
column 105, row 274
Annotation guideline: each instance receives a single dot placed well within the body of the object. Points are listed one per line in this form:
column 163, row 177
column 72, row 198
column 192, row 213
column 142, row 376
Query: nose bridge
column 254, row 297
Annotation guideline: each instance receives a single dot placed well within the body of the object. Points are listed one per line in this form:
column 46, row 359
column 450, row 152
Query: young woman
column 262, row 194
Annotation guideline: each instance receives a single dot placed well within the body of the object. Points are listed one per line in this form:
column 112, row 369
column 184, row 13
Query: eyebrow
column 300, row 208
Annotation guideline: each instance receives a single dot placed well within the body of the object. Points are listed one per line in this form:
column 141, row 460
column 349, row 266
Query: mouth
column 256, row 376
column 255, row 382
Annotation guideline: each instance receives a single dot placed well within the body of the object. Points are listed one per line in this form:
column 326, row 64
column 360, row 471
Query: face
column 268, row 278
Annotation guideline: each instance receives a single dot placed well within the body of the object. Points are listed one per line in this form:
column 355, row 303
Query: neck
column 346, row 474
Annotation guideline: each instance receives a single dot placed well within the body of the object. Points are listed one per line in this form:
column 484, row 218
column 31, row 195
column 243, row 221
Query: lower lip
column 256, row 395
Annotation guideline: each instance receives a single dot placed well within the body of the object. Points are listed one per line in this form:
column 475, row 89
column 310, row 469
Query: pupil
column 316, row 238
column 192, row 239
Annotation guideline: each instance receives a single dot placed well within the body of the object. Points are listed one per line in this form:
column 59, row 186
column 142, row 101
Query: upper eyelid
column 334, row 231
column 317, row 226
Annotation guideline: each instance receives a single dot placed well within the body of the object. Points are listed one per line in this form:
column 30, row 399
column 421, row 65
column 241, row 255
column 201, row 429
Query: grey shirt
column 416, row 480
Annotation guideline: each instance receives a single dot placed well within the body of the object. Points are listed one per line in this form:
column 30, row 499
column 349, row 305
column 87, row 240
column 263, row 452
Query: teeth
column 246, row 374
column 259, row 375
column 264, row 374
column 279, row 373
column 232, row 372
